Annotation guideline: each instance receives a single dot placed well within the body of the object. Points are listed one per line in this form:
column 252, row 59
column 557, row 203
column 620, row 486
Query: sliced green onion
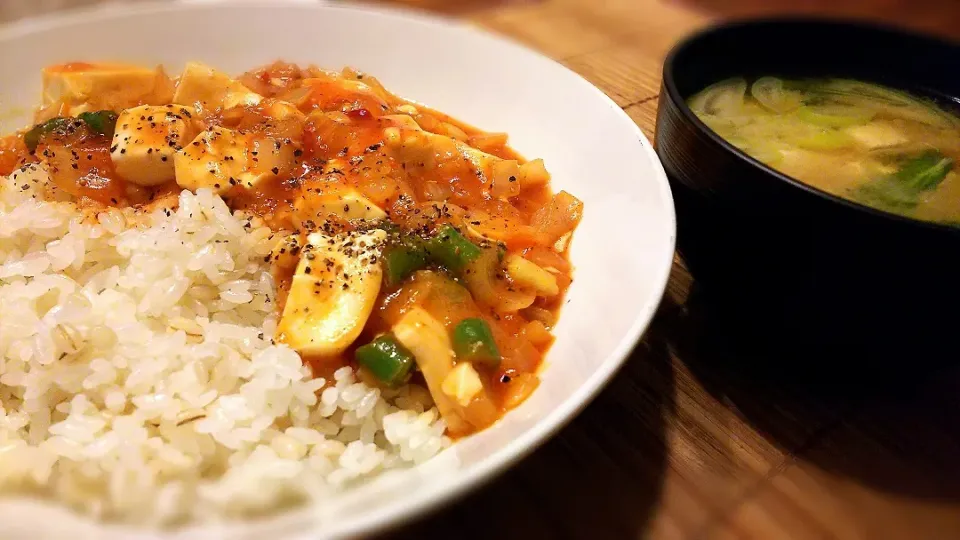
column 473, row 342
column 102, row 122
column 926, row 171
column 901, row 190
column 451, row 249
column 386, row 359
column 769, row 92
column 829, row 139
column 32, row 138
column 836, row 116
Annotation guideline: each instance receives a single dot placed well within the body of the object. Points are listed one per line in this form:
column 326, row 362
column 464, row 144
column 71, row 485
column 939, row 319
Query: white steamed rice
column 139, row 382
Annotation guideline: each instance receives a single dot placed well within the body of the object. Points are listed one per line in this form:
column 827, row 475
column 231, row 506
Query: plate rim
column 497, row 462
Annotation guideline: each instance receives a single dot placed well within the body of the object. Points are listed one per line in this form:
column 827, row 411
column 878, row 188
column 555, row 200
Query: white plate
column 622, row 250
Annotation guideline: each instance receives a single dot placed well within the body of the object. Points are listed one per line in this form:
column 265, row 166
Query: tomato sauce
column 421, row 182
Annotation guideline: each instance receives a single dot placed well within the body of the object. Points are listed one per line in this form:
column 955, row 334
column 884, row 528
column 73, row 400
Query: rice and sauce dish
column 220, row 297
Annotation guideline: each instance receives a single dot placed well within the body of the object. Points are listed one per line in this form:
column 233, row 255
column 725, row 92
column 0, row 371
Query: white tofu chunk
column 82, row 86
column 146, row 140
column 462, row 383
column 333, row 292
column 345, row 203
column 206, row 88
column 216, row 159
column 877, row 135
column 220, row 158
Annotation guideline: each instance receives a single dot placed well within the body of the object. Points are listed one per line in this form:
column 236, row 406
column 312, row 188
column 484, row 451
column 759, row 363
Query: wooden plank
column 645, row 115
column 653, row 26
column 889, row 471
column 551, row 28
column 623, row 72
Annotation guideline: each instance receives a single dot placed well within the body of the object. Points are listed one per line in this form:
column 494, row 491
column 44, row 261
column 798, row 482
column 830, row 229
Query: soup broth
column 871, row 144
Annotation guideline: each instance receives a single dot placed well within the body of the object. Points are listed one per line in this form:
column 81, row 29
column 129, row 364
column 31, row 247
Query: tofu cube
column 206, row 88
column 333, row 292
column 220, row 158
column 82, row 87
column 146, row 140
column 216, row 159
column 342, row 202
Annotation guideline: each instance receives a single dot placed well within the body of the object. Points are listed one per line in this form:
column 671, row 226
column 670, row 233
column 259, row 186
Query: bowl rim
column 498, row 461
column 670, row 66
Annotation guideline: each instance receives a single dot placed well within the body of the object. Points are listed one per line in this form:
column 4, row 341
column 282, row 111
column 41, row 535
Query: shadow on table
column 888, row 422
column 600, row 476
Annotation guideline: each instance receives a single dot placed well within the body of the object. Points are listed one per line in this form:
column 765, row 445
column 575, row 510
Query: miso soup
column 875, row 145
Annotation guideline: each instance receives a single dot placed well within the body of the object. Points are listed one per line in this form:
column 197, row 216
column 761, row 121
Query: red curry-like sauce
column 341, row 144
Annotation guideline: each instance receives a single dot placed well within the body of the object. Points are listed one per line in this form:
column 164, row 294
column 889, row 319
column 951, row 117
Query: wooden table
column 686, row 442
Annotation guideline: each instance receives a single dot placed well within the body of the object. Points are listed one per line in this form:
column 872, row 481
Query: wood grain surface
column 690, row 441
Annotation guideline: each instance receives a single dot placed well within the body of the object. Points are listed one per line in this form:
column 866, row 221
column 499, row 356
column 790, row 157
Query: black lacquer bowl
column 787, row 263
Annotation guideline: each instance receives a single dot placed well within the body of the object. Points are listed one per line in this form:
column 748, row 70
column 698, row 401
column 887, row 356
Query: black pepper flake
column 112, row 149
column 149, row 150
column 113, row 200
column 307, row 270
column 123, row 150
column 505, row 378
column 163, row 158
column 297, row 153
column 275, row 170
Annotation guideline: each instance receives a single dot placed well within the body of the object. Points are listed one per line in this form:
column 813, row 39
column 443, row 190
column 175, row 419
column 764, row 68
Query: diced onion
column 770, row 93
column 533, row 174
column 528, row 274
column 558, row 217
column 453, row 131
column 481, row 279
column 723, row 98
column 505, row 179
